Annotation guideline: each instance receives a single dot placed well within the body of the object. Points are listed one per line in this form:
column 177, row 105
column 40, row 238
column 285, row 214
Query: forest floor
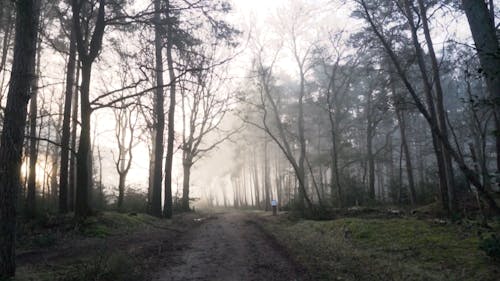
column 236, row 245
column 387, row 246
column 108, row 247
column 124, row 247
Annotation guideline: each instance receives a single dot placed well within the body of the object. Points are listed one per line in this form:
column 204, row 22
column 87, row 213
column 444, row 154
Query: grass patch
column 103, row 267
column 112, row 223
column 386, row 249
column 62, row 249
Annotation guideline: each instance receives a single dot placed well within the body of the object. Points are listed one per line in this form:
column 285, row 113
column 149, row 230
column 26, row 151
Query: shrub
column 491, row 246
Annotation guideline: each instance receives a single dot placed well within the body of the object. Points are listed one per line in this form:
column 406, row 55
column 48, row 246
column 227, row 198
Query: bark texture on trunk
column 167, row 208
column 160, row 117
column 87, row 55
column 485, row 38
column 65, row 135
column 11, row 140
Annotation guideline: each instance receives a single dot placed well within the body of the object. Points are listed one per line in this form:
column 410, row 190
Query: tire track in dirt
column 229, row 247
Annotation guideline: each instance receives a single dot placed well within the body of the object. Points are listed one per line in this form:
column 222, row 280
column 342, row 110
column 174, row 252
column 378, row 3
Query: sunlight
column 41, row 169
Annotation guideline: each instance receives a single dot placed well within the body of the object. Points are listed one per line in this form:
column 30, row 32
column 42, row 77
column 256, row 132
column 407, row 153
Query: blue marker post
column 274, row 204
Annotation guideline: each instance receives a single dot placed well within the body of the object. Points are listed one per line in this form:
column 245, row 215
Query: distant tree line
column 376, row 116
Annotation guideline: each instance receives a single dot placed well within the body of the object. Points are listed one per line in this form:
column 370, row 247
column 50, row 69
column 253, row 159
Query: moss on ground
column 386, row 249
column 110, row 223
column 85, row 250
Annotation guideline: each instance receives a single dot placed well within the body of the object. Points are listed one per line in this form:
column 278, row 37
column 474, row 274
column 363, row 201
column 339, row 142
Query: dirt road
column 228, row 247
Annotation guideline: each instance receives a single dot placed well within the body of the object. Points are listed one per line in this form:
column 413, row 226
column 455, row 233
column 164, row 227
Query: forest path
column 229, row 246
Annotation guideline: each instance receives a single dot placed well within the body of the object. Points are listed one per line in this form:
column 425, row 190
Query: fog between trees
column 159, row 106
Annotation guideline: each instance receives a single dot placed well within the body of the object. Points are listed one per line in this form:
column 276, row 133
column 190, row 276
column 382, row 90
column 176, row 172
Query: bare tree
column 126, row 121
column 88, row 46
column 204, row 105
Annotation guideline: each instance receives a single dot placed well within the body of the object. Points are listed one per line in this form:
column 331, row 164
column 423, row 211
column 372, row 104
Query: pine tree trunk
column 11, row 140
column 30, row 204
column 65, row 138
column 441, row 113
column 443, row 168
column 186, row 165
column 407, row 154
column 167, row 211
column 482, row 26
column 160, row 117
column 83, row 172
column 267, row 179
column 74, row 126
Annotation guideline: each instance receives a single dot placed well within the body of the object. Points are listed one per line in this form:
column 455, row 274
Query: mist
column 249, row 140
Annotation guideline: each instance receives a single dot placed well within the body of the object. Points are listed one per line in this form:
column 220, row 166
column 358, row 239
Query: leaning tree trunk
column 443, row 168
column 471, row 176
column 441, row 112
column 11, row 140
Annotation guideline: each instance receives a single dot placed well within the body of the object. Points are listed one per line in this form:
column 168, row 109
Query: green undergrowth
column 48, row 230
column 106, row 266
column 387, row 249
column 100, row 248
column 110, row 223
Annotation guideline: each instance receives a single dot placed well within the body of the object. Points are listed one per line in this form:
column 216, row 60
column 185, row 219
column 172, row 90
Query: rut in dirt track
column 229, row 247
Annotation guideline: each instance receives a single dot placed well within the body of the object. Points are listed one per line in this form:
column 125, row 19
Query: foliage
column 491, row 246
column 105, row 267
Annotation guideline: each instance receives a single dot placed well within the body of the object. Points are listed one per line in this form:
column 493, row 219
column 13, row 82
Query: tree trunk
column 485, row 38
column 167, row 211
column 160, row 116
column 87, row 54
column 370, row 158
column 152, row 150
column 65, row 137
column 11, row 140
column 444, row 176
column 256, row 182
column 302, row 142
column 186, row 165
column 74, row 125
column 6, row 39
column 83, row 172
column 441, row 112
column 30, row 205
column 121, row 190
column 471, row 176
column 406, row 150
column 267, row 179
column 400, row 115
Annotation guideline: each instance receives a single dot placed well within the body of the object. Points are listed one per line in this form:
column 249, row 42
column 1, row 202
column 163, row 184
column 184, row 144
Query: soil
column 229, row 246
column 222, row 246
